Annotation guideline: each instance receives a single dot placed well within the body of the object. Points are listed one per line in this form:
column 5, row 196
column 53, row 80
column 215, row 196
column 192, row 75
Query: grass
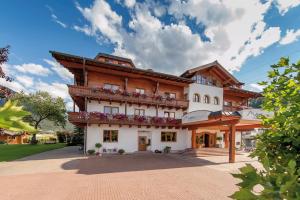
column 16, row 151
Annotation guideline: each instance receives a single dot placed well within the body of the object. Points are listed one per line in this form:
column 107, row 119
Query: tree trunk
column 33, row 139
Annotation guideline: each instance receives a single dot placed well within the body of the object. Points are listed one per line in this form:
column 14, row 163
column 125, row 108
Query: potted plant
column 91, row 152
column 121, row 151
column 167, row 149
column 98, row 146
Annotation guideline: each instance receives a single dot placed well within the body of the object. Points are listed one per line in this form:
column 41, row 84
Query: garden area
column 17, row 151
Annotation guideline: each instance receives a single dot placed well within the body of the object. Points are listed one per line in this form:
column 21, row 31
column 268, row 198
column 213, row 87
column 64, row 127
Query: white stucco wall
column 128, row 138
column 202, row 90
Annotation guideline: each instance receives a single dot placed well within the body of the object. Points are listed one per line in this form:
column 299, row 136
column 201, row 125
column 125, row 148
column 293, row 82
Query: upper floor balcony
column 103, row 94
column 122, row 119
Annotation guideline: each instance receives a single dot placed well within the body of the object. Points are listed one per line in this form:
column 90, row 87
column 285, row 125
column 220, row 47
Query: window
column 139, row 112
column 111, row 110
column 170, row 95
column 227, row 103
column 140, row 91
column 110, row 136
column 168, row 136
column 216, row 101
column 196, row 98
column 111, row 86
column 169, row 114
column 206, row 99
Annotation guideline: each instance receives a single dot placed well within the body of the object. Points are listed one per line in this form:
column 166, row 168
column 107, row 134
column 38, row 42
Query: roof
column 189, row 73
column 117, row 67
column 241, row 92
column 115, row 58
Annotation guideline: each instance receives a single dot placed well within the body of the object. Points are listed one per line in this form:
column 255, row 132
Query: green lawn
column 16, row 151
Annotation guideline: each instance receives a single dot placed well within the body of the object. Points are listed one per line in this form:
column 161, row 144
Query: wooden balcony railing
column 121, row 119
column 122, row 96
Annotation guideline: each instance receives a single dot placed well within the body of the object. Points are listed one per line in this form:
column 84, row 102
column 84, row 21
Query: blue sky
column 167, row 36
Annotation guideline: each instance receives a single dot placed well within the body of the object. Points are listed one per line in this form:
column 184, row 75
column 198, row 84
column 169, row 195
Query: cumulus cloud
column 290, row 36
column 236, row 31
column 256, row 87
column 129, row 3
column 32, row 68
column 55, row 89
column 284, row 5
column 14, row 85
column 60, row 70
column 27, row 81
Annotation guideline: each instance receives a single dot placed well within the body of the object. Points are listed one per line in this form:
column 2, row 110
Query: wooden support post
column 232, row 143
column 193, row 139
column 226, row 139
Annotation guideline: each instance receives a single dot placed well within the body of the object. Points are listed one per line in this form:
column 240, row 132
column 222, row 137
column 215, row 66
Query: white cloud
column 129, row 3
column 56, row 20
column 284, row 5
column 32, row 68
column 85, row 29
column 257, row 87
column 290, row 36
column 236, row 30
column 54, row 89
column 60, row 70
column 103, row 19
column 14, row 85
column 27, row 81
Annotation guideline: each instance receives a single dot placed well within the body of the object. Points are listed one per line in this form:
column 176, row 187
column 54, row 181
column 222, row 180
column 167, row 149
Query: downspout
column 85, row 108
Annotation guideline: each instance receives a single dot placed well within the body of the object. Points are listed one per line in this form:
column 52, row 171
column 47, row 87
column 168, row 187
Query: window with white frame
column 139, row 112
column 216, row 101
column 110, row 135
column 168, row 136
column 196, row 98
column 168, row 114
column 206, row 99
column 111, row 86
column 140, row 90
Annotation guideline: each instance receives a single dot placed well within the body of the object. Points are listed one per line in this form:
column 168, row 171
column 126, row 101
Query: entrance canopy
column 229, row 122
column 244, row 120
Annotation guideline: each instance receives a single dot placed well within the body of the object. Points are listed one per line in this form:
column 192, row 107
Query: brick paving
column 55, row 175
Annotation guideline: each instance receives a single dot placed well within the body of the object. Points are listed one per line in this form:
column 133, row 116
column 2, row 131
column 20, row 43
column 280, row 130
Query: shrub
column 2, row 142
column 121, row 151
column 91, row 151
column 167, row 149
column 98, row 145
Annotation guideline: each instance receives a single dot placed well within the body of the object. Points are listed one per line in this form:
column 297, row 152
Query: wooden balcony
column 82, row 118
column 122, row 97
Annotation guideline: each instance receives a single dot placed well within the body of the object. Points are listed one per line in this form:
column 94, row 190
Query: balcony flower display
column 125, row 93
column 172, row 120
column 157, row 120
column 110, row 91
column 168, row 98
column 144, row 96
column 83, row 115
column 99, row 115
column 139, row 118
column 96, row 89
column 119, row 116
column 158, row 97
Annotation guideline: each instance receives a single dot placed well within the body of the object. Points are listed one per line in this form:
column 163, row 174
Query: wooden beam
column 232, row 143
column 193, row 139
column 226, row 139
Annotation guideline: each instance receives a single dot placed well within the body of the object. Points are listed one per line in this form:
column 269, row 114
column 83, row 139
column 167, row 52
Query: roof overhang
column 216, row 68
column 243, row 120
column 73, row 63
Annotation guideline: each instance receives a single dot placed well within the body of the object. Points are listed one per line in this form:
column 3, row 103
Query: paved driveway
column 65, row 174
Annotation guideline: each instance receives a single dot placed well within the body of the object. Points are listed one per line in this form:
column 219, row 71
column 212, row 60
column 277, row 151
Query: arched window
column 196, row 98
column 206, row 99
column 216, row 101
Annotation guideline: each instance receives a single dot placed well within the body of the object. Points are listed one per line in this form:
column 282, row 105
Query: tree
column 278, row 147
column 4, row 92
column 42, row 107
column 11, row 118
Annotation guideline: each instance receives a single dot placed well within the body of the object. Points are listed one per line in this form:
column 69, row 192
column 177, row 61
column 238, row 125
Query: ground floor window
column 110, row 135
column 168, row 114
column 168, row 136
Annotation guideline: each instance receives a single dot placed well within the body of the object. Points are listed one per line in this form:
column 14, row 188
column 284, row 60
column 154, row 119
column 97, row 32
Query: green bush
column 121, row 151
column 277, row 147
column 91, row 151
column 167, row 149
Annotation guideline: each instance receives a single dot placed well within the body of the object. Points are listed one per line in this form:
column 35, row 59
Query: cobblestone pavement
column 65, row 174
